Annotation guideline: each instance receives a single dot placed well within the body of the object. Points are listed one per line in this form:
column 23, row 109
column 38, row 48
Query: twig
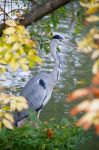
column 15, row 10
column 4, row 12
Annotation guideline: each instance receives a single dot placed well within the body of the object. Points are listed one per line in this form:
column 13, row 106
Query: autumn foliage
column 89, row 96
column 17, row 50
column 8, row 105
column 89, row 105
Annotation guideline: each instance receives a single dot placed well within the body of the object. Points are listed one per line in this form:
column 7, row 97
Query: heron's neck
column 55, row 73
column 53, row 48
column 56, row 70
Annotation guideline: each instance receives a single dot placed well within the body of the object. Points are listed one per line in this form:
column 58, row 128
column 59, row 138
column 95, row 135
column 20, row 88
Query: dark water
column 75, row 73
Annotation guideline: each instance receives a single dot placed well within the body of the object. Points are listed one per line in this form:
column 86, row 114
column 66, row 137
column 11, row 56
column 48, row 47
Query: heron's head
column 57, row 38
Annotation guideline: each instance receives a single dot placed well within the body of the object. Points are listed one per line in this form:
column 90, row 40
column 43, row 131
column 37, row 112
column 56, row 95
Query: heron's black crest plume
column 57, row 37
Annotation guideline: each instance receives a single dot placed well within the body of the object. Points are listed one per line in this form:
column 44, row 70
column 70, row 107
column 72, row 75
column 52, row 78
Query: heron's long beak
column 67, row 43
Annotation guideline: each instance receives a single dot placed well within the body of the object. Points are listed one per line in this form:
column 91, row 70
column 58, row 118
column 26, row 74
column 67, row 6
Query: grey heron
column 39, row 88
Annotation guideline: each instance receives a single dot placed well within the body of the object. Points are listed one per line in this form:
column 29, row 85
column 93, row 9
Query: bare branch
column 4, row 12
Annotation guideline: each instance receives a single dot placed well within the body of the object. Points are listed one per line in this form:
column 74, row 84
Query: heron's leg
column 38, row 114
column 21, row 123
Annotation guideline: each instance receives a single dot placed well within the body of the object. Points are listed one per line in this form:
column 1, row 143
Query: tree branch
column 38, row 12
column 42, row 10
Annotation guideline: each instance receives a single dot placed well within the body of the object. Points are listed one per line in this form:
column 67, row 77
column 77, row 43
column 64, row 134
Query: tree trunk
column 38, row 12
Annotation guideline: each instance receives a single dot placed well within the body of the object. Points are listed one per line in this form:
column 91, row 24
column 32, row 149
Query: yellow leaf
column 13, row 105
column 21, row 99
column 92, row 18
column 3, row 96
column 95, row 54
column 93, row 8
column 95, row 68
column 89, row 5
column 22, row 31
column 11, row 23
column 19, row 107
column 37, row 59
column 31, row 43
column 20, row 28
column 1, row 56
column 84, row 4
column 23, row 60
column 9, row 30
column 34, row 45
column 7, row 123
column 7, row 56
column 24, row 105
column 6, row 101
column 6, row 108
column 17, row 56
column 26, row 32
column 9, row 117
column 2, row 69
column 96, row 36
column 10, row 40
column 14, row 65
column 21, row 39
column 1, row 113
column 16, row 46
column 24, row 67
column 21, row 51
column 30, row 53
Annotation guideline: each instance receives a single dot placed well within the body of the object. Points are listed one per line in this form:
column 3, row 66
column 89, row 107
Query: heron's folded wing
column 35, row 94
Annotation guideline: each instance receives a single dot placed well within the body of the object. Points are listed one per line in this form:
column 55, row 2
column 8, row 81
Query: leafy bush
column 43, row 136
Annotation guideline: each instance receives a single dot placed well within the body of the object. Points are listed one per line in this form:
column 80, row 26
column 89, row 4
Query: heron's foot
column 21, row 123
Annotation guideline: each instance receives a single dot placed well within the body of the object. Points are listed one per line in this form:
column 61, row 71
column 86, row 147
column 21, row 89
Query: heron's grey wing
column 35, row 93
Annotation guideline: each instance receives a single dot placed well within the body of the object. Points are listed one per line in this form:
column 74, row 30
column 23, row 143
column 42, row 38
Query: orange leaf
column 50, row 133
column 78, row 94
column 95, row 91
column 74, row 111
column 86, row 125
column 94, row 106
column 97, row 129
column 95, row 79
column 81, row 107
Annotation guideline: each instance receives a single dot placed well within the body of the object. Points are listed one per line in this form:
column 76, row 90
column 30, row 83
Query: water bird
column 38, row 89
